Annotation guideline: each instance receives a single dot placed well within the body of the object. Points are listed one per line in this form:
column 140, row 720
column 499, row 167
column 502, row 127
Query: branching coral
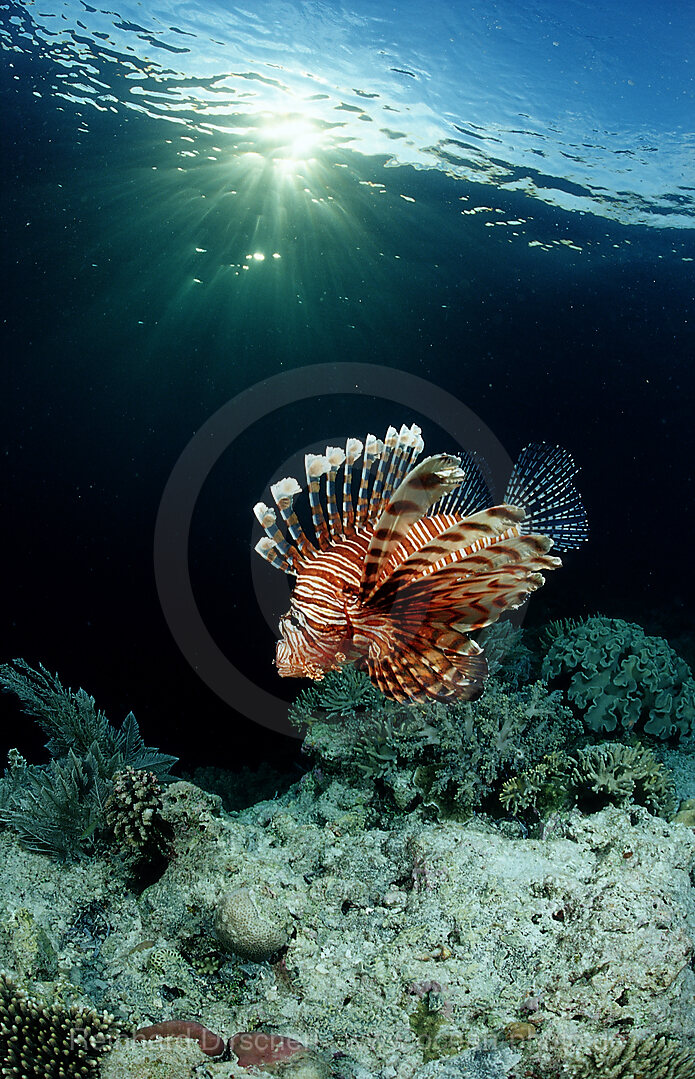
column 619, row 774
column 39, row 1040
column 538, row 790
column 637, row 1057
column 133, row 815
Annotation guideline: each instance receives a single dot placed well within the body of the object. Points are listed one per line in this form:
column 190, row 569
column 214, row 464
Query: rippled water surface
column 566, row 103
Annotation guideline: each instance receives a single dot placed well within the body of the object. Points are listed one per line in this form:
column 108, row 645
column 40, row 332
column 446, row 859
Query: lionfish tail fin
column 439, row 665
column 422, row 487
column 542, row 484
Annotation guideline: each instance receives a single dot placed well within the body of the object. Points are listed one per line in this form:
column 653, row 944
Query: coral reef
column 383, row 918
column 39, row 1040
column 621, row 679
column 407, row 944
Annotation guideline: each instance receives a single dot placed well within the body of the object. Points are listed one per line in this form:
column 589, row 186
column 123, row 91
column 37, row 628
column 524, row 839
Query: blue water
column 497, row 198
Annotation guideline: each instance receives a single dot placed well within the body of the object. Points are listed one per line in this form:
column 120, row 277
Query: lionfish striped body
column 413, row 561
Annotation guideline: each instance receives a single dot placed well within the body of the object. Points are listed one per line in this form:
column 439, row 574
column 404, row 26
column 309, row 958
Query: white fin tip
column 265, row 516
column 353, row 448
column 285, row 489
column 335, row 456
column 316, row 465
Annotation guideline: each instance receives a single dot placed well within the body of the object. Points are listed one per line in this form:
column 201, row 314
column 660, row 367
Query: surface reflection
column 568, row 108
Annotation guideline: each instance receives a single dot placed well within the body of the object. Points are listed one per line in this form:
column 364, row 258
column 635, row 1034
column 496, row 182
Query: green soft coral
column 452, row 759
column 621, row 678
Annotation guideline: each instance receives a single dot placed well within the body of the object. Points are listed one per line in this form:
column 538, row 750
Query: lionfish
column 397, row 582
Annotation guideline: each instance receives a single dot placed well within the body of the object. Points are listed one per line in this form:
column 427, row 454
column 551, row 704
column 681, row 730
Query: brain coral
column 250, row 924
column 620, row 677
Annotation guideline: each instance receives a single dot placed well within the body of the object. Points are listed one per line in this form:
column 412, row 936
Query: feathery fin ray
column 542, row 481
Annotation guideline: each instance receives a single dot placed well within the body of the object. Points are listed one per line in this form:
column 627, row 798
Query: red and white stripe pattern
column 396, row 581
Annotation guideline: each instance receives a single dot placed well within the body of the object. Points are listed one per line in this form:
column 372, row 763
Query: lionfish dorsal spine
column 267, row 549
column 542, row 483
column 394, row 458
column 316, row 465
column 378, row 487
column 400, row 458
column 273, row 546
column 372, row 450
column 284, row 493
column 417, row 445
column 353, row 449
column 335, row 457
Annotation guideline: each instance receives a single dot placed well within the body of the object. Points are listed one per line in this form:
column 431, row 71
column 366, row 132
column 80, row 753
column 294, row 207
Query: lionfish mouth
column 291, row 664
column 286, row 662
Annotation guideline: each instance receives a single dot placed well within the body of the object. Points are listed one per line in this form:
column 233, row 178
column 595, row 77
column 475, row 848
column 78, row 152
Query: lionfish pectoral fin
column 468, row 600
column 459, row 542
column 422, row 648
column 422, row 487
column 428, row 668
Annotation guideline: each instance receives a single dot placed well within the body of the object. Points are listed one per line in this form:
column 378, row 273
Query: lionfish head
column 298, row 653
